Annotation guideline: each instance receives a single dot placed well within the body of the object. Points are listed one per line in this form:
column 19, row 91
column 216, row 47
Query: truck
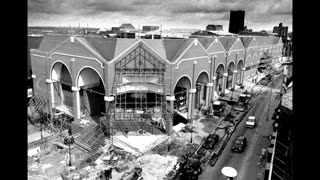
column 243, row 103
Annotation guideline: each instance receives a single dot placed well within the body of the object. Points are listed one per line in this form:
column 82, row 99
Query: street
column 246, row 162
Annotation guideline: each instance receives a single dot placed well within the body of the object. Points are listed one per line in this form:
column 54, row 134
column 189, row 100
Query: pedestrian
column 126, row 132
column 110, row 172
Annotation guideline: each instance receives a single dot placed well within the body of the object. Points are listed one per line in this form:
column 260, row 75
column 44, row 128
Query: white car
column 251, row 122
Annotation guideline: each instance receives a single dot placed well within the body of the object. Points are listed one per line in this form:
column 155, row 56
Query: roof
column 110, row 48
column 105, row 46
column 205, row 42
column 227, row 42
column 246, row 41
column 50, row 42
column 175, row 47
column 127, row 26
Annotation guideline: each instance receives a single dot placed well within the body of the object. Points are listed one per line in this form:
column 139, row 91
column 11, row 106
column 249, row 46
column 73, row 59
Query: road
column 246, row 162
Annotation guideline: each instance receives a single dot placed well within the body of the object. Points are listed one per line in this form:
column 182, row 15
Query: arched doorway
column 239, row 70
column 229, row 77
column 62, row 84
column 219, row 75
column 201, row 92
column 91, row 93
column 181, row 93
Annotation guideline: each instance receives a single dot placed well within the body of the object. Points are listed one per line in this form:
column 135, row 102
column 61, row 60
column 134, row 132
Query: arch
column 78, row 74
column 181, row 88
column 202, row 74
column 219, row 74
column 201, row 93
column 220, row 67
column 54, row 63
column 230, row 70
column 62, row 83
column 92, row 91
column 240, row 65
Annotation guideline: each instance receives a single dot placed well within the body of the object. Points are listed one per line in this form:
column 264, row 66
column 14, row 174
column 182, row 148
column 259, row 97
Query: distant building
column 115, row 29
column 236, row 23
column 127, row 26
column 281, row 30
column 210, row 33
column 149, row 28
column 213, row 27
column 126, row 35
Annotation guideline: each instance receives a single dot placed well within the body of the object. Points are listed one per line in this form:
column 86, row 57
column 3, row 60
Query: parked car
column 239, row 144
column 211, row 141
column 251, row 122
column 218, row 108
column 242, row 103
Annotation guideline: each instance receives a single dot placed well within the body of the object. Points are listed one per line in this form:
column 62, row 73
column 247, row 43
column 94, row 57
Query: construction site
column 139, row 107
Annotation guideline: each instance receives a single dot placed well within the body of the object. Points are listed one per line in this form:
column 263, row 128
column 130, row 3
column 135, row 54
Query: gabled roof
column 109, row 48
column 205, row 42
column 105, row 46
column 183, row 47
column 174, row 47
column 50, row 42
column 157, row 45
column 227, row 42
column 246, row 41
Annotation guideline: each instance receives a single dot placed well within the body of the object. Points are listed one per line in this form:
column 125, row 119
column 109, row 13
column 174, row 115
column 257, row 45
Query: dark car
column 239, row 144
column 218, row 108
column 211, row 141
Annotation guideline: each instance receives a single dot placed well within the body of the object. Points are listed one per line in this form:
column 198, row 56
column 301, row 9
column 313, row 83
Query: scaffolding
column 139, row 91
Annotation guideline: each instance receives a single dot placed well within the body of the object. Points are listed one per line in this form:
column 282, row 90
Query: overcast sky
column 259, row 14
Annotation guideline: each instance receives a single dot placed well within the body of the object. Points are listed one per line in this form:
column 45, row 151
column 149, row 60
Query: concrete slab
column 142, row 143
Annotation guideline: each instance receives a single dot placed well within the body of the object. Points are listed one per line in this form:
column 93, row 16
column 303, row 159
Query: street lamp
column 68, row 140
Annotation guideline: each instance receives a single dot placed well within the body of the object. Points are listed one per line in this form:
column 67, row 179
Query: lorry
column 243, row 103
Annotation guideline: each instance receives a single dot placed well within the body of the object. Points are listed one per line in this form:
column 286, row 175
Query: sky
column 186, row 14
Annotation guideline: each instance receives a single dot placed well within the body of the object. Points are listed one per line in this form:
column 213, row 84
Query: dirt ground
column 52, row 165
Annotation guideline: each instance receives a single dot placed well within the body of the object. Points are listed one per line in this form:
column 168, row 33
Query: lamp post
column 68, row 140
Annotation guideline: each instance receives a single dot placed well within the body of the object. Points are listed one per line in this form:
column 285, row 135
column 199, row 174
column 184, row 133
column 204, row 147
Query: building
column 280, row 161
column 118, row 82
column 281, row 30
column 33, row 43
column 127, row 27
column 236, row 22
column 204, row 33
column 212, row 27
column 150, row 28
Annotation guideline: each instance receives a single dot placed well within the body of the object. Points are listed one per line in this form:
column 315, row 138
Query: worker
column 126, row 132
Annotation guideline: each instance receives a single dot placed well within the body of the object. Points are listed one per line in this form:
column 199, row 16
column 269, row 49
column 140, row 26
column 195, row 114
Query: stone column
column 214, row 78
column 169, row 118
column 50, row 92
column 76, row 102
column 224, row 82
column 201, row 92
column 242, row 75
column 109, row 124
column 209, row 87
column 234, row 77
column 191, row 105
